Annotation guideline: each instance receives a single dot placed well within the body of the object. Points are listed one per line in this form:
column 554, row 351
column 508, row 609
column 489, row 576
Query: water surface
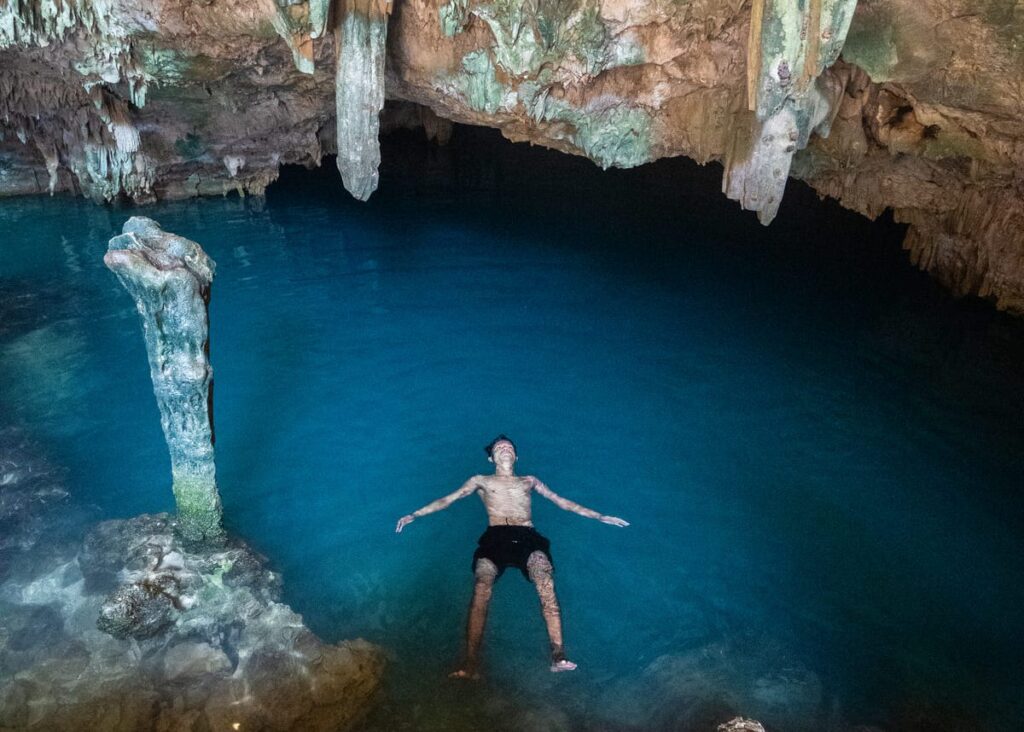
column 819, row 451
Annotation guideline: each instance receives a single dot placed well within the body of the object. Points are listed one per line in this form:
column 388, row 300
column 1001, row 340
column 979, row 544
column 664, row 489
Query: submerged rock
column 141, row 609
column 739, row 724
column 717, row 681
column 40, row 528
column 169, row 278
column 184, row 641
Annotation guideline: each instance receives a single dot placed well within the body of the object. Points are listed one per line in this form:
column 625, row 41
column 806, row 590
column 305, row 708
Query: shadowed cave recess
column 389, row 231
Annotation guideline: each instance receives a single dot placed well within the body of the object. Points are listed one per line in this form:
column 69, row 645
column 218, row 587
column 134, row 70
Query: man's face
column 503, row 453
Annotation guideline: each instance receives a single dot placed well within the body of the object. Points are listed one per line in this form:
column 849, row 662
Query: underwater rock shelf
column 128, row 629
column 909, row 105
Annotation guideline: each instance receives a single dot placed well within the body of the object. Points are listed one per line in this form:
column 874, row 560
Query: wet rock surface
column 127, row 629
column 169, row 277
column 921, row 113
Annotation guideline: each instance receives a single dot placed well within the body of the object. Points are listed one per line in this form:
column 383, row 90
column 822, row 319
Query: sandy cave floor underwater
column 818, row 449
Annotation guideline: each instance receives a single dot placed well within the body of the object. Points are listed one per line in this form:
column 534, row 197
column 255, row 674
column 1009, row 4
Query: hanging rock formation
column 789, row 48
column 169, row 278
column 923, row 106
column 360, row 37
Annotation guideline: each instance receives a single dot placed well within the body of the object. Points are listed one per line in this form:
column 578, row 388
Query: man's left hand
column 613, row 520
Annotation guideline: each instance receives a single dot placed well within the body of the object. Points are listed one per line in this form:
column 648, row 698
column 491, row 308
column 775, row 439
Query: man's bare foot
column 465, row 674
column 562, row 665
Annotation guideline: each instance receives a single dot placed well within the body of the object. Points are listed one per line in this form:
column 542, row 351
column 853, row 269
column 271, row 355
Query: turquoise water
column 819, row 451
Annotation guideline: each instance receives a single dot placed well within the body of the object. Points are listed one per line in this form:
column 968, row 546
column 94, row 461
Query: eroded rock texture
column 923, row 110
column 133, row 630
column 122, row 626
column 169, row 278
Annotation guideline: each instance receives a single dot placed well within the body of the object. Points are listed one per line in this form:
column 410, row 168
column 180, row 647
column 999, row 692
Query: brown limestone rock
column 928, row 118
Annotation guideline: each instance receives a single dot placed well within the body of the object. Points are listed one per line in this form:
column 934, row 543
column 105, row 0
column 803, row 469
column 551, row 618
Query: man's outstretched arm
column 566, row 504
column 440, row 504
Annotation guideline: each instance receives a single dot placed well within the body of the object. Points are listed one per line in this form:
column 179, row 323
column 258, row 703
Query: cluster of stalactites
column 89, row 133
column 111, row 163
column 790, row 93
column 106, row 51
column 98, row 142
column 40, row 22
column 299, row 22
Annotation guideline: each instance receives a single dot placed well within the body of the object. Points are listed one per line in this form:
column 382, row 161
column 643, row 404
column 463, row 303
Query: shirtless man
column 510, row 541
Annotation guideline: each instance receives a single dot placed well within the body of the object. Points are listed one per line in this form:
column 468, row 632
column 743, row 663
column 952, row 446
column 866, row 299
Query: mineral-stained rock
column 169, row 277
column 193, row 630
column 152, row 99
column 114, row 547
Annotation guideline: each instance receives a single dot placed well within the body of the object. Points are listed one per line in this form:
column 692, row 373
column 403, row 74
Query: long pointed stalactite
column 360, row 35
column 791, row 92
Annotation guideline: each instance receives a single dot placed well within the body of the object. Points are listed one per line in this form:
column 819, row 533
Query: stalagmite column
column 360, row 35
column 790, row 94
column 169, row 277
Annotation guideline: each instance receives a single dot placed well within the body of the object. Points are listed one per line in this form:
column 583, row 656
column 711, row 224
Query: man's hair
column 489, row 449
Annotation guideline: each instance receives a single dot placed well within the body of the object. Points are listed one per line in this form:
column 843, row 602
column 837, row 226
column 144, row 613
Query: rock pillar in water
column 360, row 35
column 169, row 277
column 790, row 94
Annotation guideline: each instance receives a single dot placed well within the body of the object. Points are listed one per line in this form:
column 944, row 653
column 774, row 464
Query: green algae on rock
column 169, row 278
column 479, row 83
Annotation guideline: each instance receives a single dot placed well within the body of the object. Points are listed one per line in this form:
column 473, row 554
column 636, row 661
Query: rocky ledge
column 130, row 629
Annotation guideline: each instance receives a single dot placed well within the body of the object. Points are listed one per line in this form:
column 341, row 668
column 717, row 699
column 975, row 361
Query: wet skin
column 507, row 498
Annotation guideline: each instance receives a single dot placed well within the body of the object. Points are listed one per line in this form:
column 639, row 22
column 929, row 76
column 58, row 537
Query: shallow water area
column 818, row 449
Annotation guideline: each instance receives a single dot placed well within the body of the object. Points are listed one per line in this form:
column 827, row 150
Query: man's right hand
column 403, row 522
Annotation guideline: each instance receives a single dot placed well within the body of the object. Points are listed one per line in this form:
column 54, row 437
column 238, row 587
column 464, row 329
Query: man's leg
column 542, row 575
column 485, row 572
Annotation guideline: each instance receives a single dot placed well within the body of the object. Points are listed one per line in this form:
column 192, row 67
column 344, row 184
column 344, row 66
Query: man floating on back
column 509, row 541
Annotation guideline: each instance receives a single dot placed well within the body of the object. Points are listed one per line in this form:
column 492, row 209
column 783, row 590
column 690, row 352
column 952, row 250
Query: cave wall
column 923, row 113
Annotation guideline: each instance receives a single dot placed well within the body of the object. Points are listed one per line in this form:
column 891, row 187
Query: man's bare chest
column 505, row 492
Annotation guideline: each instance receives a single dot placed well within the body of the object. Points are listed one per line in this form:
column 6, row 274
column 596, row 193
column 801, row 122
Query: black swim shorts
column 511, row 546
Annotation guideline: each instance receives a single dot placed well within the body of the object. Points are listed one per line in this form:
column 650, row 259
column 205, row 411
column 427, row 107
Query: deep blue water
column 820, row 452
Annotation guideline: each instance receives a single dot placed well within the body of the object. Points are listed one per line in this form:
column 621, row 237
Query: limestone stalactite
column 790, row 94
column 291, row 20
column 360, row 36
column 169, row 278
column 319, row 11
